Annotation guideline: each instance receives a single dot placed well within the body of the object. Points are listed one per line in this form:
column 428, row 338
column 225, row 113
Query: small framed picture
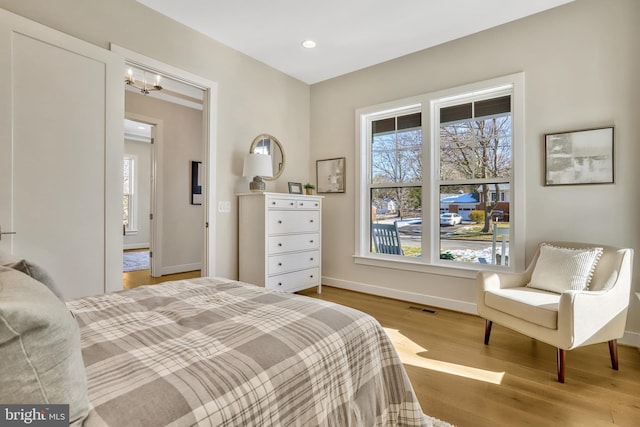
column 196, row 183
column 579, row 157
column 330, row 175
column 295, row 188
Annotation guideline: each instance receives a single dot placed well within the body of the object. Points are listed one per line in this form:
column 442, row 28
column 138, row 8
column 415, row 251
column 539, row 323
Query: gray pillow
column 39, row 347
column 38, row 273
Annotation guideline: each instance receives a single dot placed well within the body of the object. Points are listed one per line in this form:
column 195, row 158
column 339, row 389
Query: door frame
column 156, row 190
column 209, row 133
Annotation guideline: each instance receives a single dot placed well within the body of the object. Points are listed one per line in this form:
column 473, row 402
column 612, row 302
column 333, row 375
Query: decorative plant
column 309, row 187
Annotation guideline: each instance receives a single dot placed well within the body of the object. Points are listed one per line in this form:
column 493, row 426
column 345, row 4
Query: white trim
column 136, row 246
column 156, row 190
column 173, row 269
column 631, row 339
column 430, row 197
column 210, row 112
column 430, row 300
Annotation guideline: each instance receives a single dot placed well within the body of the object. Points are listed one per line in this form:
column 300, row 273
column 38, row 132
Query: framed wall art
column 330, row 175
column 295, row 188
column 196, row 183
column 579, row 157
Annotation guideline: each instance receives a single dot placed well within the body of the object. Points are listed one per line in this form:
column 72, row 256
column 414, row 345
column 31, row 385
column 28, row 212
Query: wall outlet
column 224, row 206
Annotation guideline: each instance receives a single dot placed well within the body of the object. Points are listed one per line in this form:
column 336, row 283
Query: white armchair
column 565, row 320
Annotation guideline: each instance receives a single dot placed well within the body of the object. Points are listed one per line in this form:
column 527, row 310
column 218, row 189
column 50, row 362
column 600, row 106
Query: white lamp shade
column 257, row 165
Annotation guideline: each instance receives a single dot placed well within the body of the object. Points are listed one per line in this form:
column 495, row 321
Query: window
column 396, row 176
column 128, row 194
column 442, row 168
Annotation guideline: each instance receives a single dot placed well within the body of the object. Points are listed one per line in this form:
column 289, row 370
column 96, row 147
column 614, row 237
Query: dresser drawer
column 294, row 242
column 308, row 204
column 288, row 262
column 281, row 203
column 295, row 280
column 281, row 222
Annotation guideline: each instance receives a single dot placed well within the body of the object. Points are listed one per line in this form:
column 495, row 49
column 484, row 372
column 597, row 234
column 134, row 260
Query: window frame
column 428, row 104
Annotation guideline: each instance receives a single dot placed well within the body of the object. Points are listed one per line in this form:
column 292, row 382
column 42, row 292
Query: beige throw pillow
column 40, row 357
column 562, row 269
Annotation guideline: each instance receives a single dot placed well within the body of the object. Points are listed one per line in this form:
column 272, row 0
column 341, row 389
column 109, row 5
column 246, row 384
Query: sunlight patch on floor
column 409, row 353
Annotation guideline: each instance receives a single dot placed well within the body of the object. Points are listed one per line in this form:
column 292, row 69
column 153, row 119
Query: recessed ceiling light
column 309, row 44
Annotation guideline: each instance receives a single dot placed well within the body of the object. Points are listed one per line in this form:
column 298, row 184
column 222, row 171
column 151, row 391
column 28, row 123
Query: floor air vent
column 424, row 310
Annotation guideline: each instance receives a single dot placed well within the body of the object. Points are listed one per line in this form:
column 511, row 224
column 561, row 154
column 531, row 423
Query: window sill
column 467, row 272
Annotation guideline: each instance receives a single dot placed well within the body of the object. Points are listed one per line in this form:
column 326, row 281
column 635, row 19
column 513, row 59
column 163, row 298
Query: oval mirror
column 269, row 144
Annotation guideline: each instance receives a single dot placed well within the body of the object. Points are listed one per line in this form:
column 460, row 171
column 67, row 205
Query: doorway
column 172, row 118
column 207, row 154
column 136, row 201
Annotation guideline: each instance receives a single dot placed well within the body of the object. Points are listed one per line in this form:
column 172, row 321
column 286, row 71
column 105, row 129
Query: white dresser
column 280, row 240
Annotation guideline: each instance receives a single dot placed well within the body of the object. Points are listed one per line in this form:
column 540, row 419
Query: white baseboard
column 629, row 338
column 173, row 269
column 449, row 304
column 136, row 246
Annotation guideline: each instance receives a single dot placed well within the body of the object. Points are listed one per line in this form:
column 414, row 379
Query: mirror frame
column 259, row 138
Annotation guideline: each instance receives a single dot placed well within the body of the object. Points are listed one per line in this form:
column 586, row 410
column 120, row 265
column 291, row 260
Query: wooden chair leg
column 560, row 358
column 487, row 331
column 613, row 352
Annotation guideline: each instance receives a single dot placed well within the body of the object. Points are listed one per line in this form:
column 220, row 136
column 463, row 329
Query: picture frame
column 580, row 157
column 295, row 188
column 196, row 183
column 330, row 175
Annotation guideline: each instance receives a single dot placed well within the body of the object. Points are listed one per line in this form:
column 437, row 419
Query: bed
column 217, row 352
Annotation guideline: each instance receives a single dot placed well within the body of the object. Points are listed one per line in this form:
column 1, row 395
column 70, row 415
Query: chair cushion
column 532, row 305
column 563, row 269
column 40, row 355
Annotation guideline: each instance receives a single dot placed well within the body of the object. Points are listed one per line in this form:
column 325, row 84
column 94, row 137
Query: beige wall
column 252, row 97
column 581, row 64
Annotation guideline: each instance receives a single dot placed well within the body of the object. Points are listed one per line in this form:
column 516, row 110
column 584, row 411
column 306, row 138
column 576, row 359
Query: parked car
column 450, row 219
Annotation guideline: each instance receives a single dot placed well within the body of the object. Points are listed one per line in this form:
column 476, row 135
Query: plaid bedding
column 216, row 352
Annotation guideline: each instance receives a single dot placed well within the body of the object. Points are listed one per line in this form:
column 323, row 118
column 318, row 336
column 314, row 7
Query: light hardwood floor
column 510, row 382
column 133, row 279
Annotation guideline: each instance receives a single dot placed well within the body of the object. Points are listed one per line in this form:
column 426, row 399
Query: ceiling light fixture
column 309, row 44
column 144, row 89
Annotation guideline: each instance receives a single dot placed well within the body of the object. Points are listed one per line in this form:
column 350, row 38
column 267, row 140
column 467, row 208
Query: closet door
column 61, row 145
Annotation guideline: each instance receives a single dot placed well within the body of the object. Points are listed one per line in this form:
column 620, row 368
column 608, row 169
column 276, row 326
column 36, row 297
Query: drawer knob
column 291, row 203
column 311, row 276
column 279, row 264
column 273, row 203
column 280, row 244
column 279, row 283
column 279, row 221
column 311, row 259
column 310, row 241
column 301, row 203
column 310, row 220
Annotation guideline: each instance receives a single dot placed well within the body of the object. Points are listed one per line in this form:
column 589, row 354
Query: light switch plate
column 224, row 206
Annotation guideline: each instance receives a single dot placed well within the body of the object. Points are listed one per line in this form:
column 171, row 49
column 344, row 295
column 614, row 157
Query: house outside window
column 442, row 172
column 128, row 194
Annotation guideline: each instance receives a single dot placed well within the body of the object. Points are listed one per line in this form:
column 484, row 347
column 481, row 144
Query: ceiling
column 350, row 34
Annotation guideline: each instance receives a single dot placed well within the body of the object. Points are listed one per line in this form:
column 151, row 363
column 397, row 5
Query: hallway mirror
column 269, row 144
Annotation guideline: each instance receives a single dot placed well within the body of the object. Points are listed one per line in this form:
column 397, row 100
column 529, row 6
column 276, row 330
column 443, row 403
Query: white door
column 61, row 110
